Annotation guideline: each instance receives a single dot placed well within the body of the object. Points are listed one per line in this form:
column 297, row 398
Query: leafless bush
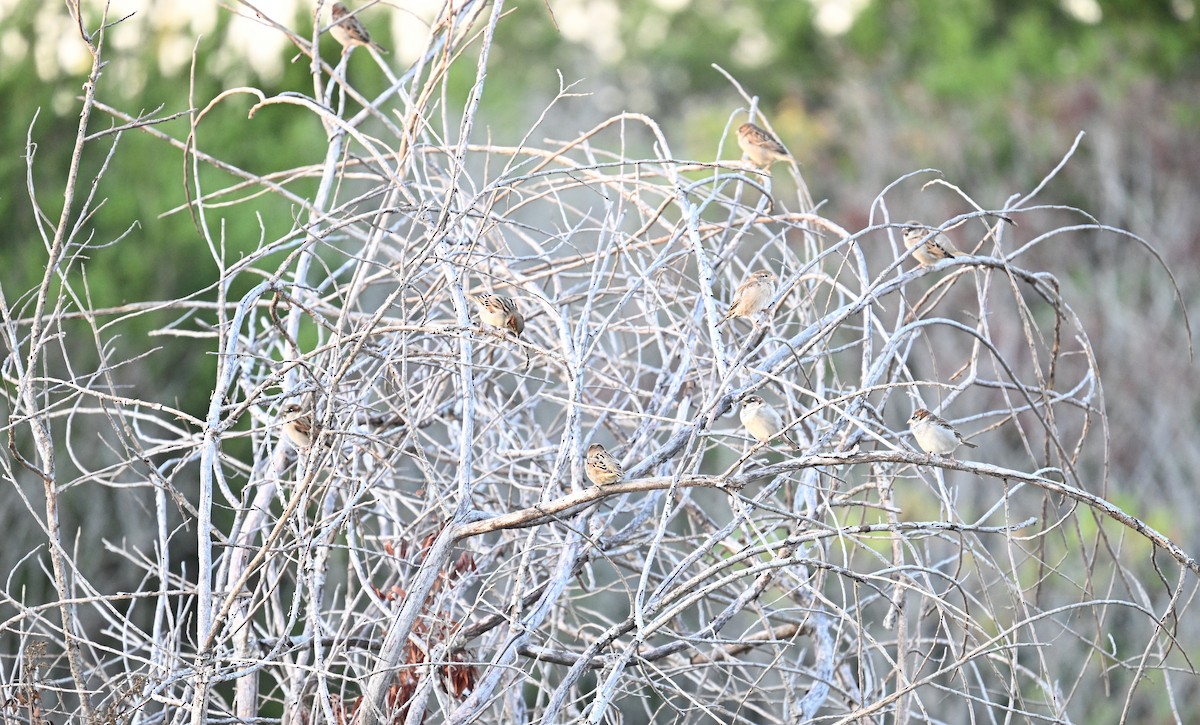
column 438, row 555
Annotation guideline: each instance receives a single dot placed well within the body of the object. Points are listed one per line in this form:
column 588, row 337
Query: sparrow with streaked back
column 348, row 30
column 761, row 147
column 500, row 312
column 762, row 421
column 602, row 468
column 298, row 425
column 752, row 296
column 927, row 246
column 935, row 435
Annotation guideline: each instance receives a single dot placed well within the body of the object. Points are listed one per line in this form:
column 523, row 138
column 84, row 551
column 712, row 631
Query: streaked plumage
column 762, row 421
column 601, row 467
column 499, row 311
column 934, row 434
column 348, row 30
column 927, row 246
column 296, row 421
column 762, row 148
column 752, row 296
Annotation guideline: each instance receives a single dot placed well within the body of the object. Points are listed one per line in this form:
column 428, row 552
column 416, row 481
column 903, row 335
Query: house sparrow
column 935, row 435
column 928, row 247
column 601, row 467
column 762, row 421
column 499, row 311
column 753, row 295
column 760, row 146
column 349, row 31
column 298, row 425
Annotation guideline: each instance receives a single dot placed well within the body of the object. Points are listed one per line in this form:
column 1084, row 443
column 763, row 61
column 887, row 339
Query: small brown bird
column 934, row 434
column 927, row 246
column 298, row 425
column 499, row 311
column 762, row 421
column 348, row 30
column 752, row 296
column 760, row 146
column 602, row 468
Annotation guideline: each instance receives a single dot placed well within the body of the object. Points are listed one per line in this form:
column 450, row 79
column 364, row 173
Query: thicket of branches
column 438, row 554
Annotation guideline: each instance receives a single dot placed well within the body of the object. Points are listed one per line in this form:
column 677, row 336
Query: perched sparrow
column 349, row 31
column 935, row 435
column 760, row 146
column 499, row 311
column 753, row 295
column 762, row 421
column 601, row 467
column 298, row 426
column 927, row 251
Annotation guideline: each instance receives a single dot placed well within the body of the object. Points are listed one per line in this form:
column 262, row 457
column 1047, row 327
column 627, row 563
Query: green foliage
column 159, row 257
column 978, row 49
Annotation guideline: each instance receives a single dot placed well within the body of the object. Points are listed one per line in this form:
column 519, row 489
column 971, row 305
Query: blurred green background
column 992, row 94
